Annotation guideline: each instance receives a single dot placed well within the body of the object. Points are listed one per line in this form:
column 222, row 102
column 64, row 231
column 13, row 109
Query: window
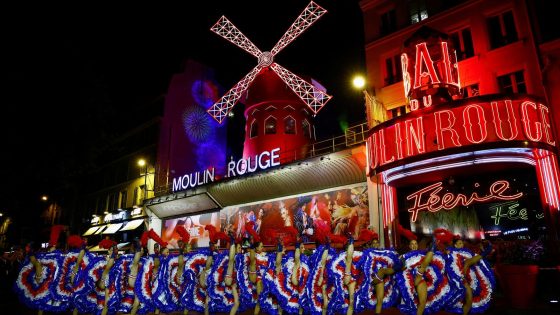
column 270, row 126
column 470, row 91
column 501, row 29
column 462, row 41
column 306, row 128
column 418, row 10
column 393, row 70
column 123, row 196
column 254, row 129
column 270, row 108
column 388, row 22
column 289, row 108
column 135, row 197
column 289, row 126
column 512, row 83
column 398, row 111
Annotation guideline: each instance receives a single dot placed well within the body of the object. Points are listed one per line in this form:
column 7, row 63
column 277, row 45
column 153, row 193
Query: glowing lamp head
column 359, row 82
column 141, row 162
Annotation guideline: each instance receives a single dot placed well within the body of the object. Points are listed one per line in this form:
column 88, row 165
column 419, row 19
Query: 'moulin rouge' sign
column 480, row 121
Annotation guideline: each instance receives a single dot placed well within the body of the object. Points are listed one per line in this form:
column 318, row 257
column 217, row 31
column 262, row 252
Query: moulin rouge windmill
column 275, row 116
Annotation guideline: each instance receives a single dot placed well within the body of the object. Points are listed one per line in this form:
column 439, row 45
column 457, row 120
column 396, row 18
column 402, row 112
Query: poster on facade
column 194, row 224
column 502, row 205
column 338, row 211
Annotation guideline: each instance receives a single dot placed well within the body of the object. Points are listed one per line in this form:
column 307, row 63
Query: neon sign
column 476, row 122
column 247, row 165
column 428, row 198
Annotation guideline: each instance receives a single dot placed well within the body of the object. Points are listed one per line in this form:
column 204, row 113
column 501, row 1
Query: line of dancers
column 335, row 277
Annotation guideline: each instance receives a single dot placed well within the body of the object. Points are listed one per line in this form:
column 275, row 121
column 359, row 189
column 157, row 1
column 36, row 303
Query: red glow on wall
column 480, row 121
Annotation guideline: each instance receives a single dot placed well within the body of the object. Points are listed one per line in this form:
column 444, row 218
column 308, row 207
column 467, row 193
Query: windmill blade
column 221, row 108
column 310, row 14
column 227, row 30
column 313, row 97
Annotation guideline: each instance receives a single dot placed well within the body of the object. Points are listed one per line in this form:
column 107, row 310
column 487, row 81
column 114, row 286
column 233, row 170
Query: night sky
column 73, row 74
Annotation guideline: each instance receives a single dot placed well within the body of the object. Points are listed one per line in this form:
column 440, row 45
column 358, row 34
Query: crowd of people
column 339, row 274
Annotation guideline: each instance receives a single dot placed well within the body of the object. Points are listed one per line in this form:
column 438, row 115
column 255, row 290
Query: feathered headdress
column 444, row 236
column 153, row 235
column 75, row 241
column 250, row 228
column 55, row 233
column 185, row 236
column 338, row 239
column 107, row 243
column 406, row 233
column 367, row 235
column 214, row 235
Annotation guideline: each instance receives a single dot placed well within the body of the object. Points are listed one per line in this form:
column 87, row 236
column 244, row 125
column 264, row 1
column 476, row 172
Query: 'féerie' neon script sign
column 428, row 198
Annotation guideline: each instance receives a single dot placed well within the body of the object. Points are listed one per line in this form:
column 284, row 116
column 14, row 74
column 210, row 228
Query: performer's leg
column 135, row 305
column 259, row 290
column 468, row 299
column 235, row 298
column 351, row 291
column 231, row 261
column 422, row 291
column 325, row 298
column 38, row 267
column 206, row 302
column 252, row 266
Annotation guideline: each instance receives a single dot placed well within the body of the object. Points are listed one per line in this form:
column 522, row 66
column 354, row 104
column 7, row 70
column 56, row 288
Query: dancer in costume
column 37, row 275
column 72, row 278
column 347, row 277
column 422, row 281
column 140, row 250
column 104, row 285
column 470, row 273
column 222, row 289
column 161, row 258
column 319, row 287
column 179, row 281
column 257, row 268
column 378, row 289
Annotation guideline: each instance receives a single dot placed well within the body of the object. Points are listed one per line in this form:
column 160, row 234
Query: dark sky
column 72, row 73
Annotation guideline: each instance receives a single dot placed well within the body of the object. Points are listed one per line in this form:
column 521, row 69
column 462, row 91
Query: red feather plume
column 367, row 235
column 250, row 228
column 444, row 236
column 338, row 239
column 185, row 236
column 215, row 235
column 153, row 235
column 107, row 243
column 144, row 239
column 75, row 241
column 55, row 233
column 406, row 233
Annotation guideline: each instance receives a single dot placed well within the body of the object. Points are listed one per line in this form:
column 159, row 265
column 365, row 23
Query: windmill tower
column 280, row 105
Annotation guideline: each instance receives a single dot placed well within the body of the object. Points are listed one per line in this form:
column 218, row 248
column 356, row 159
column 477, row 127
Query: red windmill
column 313, row 97
column 269, row 89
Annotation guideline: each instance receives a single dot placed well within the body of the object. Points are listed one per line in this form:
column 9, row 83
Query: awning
column 91, row 230
column 101, row 228
column 112, row 228
column 131, row 225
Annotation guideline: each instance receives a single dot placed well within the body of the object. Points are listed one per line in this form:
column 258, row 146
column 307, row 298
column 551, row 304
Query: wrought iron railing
column 352, row 136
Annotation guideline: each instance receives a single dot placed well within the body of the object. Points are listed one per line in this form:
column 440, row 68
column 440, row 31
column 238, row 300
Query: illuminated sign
column 243, row 166
column 261, row 161
column 476, row 122
column 508, row 210
column 428, row 198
